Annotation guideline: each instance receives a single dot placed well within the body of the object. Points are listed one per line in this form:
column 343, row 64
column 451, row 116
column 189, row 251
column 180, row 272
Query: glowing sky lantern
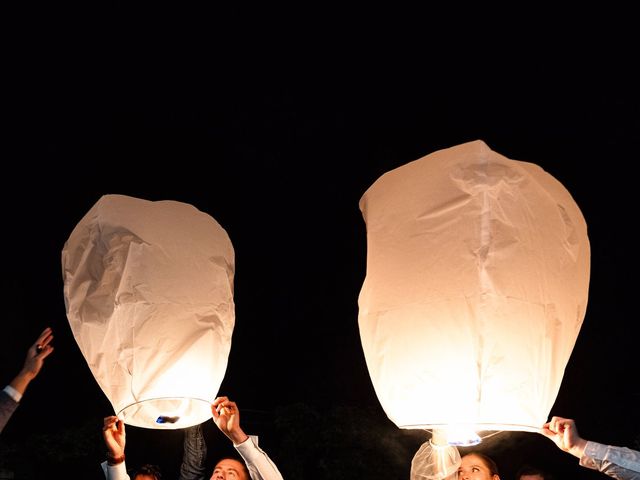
column 476, row 289
column 148, row 289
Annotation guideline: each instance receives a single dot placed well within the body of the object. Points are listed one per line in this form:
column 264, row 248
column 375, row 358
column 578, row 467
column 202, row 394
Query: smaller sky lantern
column 476, row 289
column 148, row 289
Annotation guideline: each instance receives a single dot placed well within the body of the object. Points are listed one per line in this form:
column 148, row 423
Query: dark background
column 275, row 121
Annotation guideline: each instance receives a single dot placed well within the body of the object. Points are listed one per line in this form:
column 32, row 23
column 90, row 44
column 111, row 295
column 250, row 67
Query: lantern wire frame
column 166, row 412
column 471, row 434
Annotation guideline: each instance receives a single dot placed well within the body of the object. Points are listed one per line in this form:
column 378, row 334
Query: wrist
column 20, row 382
column 115, row 459
column 577, row 450
column 238, row 437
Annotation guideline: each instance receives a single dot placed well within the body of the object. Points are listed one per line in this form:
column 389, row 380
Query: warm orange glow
column 149, row 294
column 476, row 289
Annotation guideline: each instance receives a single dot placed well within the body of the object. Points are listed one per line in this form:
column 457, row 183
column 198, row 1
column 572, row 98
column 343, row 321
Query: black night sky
column 275, row 122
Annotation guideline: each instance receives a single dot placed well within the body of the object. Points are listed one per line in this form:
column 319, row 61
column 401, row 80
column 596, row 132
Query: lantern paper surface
column 476, row 289
column 148, row 289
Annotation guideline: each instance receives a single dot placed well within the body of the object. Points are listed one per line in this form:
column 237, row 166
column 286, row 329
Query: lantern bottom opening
column 168, row 413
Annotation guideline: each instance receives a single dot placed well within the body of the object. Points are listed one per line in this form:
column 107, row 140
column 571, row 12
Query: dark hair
column 148, row 469
column 531, row 470
column 239, row 460
column 487, row 460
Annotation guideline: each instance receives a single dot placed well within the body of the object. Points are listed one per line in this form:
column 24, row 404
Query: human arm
column 564, row 433
column 260, row 466
column 194, row 454
column 617, row 462
column 36, row 354
column 226, row 416
column 12, row 393
column 8, row 405
column 114, row 435
column 115, row 472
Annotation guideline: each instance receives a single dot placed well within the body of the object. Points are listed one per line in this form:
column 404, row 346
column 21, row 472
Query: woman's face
column 474, row 468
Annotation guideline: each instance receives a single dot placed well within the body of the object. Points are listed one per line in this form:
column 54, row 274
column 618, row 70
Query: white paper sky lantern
column 476, row 289
column 148, row 289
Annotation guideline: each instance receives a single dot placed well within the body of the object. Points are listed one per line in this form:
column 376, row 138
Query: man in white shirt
column 257, row 465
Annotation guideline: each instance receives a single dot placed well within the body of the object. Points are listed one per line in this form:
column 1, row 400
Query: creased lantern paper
column 475, row 292
column 148, row 289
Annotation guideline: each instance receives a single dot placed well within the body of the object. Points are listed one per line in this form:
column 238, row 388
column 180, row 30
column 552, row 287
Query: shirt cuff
column 593, row 454
column 13, row 393
column 249, row 447
column 118, row 471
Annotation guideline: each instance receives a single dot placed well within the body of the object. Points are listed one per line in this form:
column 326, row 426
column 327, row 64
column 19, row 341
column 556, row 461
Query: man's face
column 229, row 469
column 531, row 477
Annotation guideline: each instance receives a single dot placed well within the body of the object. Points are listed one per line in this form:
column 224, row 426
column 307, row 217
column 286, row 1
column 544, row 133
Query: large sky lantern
column 475, row 291
column 148, row 289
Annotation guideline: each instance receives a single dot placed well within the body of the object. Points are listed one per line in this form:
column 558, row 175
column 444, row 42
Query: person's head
column 230, row 469
column 477, row 466
column 148, row 472
column 528, row 472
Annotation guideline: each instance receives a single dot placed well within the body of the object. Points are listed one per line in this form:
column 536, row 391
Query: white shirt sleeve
column 13, row 393
column 115, row 472
column 259, row 464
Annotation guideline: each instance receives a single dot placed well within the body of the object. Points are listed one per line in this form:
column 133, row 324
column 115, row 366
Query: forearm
column 259, row 464
column 617, row 462
column 21, row 381
column 194, row 454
